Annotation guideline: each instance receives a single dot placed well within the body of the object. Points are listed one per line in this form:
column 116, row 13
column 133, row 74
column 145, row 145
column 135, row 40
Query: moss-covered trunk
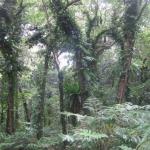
column 129, row 30
column 39, row 116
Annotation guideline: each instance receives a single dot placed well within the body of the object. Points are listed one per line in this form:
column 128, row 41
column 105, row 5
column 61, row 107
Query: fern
column 121, row 126
column 88, row 135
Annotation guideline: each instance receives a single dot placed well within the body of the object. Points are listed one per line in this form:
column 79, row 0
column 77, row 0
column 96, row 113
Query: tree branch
column 105, row 47
column 91, row 21
column 142, row 10
column 21, row 8
column 99, row 36
column 71, row 3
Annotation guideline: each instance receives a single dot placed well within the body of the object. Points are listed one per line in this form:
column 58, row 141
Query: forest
column 74, row 75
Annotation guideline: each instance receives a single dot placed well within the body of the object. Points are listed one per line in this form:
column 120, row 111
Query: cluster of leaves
column 71, row 88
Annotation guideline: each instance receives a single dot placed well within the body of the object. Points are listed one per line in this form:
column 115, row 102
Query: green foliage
column 88, row 135
column 71, row 87
column 27, row 141
column 101, row 125
column 123, row 126
column 139, row 93
column 34, row 14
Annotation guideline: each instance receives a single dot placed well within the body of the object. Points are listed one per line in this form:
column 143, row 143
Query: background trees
column 51, row 105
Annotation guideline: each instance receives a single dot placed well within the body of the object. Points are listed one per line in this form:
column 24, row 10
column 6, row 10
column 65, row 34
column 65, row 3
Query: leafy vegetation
column 74, row 75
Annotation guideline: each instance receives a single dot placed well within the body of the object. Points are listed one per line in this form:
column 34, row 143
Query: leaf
column 67, row 138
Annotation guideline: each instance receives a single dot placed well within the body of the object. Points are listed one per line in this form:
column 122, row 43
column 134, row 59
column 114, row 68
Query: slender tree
column 39, row 117
column 61, row 97
column 41, row 90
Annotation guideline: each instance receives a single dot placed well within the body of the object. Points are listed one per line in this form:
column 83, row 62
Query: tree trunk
column 126, row 63
column 10, row 129
column 81, row 79
column 16, row 104
column 75, row 108
column 61, row 98
column 10, row 55
column 129, row 30
column 16, row 115
column 26, row 111
column 62, row 116
column 42, row 88
column 25, row 106
column 2, row 98
column 2, row 113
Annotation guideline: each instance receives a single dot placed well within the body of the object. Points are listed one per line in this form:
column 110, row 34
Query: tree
column 131, row 17
column 72, row 31
column 10, row 29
